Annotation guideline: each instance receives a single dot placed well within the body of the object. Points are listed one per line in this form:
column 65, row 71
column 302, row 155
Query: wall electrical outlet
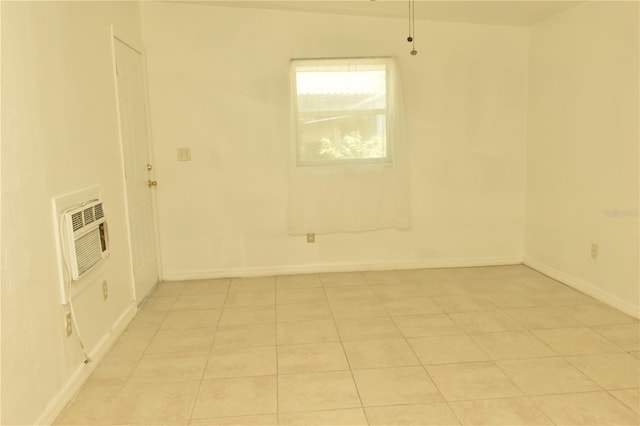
column 311, row 238
column 594, row 251
column 68, row 324
column 105, row 290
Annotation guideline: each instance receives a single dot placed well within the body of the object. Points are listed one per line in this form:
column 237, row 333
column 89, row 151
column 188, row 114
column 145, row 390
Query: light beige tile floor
column 495, row 345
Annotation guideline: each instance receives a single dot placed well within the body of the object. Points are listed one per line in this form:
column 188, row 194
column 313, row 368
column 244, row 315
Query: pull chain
column 412, row 27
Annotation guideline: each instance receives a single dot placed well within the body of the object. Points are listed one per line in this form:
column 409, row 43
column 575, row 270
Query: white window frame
column 388, row 112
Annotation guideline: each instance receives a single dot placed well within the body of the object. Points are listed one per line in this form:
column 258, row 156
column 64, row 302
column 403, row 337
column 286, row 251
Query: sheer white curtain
column 348, row 165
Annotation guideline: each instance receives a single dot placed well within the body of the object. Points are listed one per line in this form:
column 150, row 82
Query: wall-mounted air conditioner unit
column 86, row 238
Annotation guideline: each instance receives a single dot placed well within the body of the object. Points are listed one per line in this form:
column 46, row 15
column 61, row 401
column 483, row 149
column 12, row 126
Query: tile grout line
column 424, row 368
column 353, row 379
column 144, row 351
column 206, row 365
column 275, row 309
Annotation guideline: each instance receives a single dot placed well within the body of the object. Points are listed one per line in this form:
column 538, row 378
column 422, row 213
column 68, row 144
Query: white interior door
column 138, row 167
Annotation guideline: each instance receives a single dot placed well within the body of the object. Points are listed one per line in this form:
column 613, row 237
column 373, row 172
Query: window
column 341, row 109
column 348, row 168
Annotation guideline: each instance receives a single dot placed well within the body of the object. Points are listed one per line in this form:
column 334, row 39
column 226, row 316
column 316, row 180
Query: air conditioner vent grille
column 88, row 215
column 88, row 251
column 76, row 220
column 99, row 211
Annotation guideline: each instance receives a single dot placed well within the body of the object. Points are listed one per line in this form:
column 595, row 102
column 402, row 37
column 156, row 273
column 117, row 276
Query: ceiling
column 504, row 12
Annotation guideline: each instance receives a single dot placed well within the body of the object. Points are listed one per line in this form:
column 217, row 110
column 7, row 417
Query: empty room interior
column 320, row 212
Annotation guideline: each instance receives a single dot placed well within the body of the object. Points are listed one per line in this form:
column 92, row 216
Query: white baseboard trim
column 82, row 372
column 584, row 287
column 338, row 267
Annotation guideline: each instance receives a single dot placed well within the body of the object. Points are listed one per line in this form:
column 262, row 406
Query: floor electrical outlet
column 311, row 238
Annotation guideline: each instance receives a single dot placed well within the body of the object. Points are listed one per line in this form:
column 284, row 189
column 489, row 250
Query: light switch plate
column 184, row 154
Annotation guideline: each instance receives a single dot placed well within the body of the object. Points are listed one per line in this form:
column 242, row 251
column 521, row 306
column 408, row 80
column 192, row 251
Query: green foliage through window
column 352, row 146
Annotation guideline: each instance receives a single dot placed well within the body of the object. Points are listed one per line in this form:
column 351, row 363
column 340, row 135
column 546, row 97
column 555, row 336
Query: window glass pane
column 341, row 110
column 338, row 137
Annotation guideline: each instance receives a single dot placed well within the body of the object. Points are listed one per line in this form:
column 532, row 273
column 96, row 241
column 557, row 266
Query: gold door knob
column 149, row 166
column 151, row 183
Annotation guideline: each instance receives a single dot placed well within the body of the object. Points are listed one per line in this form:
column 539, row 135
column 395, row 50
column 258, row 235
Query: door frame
column 114, row 37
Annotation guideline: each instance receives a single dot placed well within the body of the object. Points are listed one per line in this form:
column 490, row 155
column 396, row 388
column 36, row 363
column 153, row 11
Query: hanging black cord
column 410, row 38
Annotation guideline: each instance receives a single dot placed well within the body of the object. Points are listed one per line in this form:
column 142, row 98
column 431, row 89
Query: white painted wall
column 582, row 157
column 219, row 85
column 59, row 134
column 218, row 81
